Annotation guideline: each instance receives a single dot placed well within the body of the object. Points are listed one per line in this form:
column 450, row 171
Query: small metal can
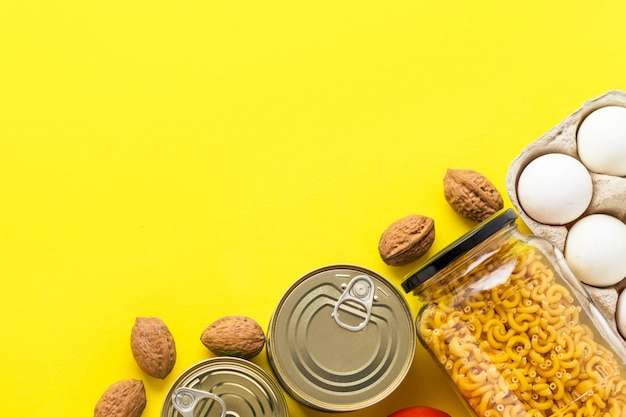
column 225, row 387
column 341, row 338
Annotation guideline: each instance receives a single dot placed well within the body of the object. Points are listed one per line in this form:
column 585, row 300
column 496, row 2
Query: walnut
column 125, row 398
column 153, row 346
column 406, row 240
column 238, row 336
column 471, row 194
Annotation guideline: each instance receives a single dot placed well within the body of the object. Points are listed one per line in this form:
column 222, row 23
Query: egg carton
column 608, row 195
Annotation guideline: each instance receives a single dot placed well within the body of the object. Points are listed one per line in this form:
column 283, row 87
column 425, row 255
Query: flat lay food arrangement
column 506, row 315
column 243, row 209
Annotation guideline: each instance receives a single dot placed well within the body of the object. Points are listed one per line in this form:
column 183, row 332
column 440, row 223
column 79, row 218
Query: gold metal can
column 225, row 387
column 341, row 338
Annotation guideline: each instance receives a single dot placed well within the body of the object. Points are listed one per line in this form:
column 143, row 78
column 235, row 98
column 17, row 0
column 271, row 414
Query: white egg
column 595, row 250
column 620, row 314
column 554, row 189
column 601, row 141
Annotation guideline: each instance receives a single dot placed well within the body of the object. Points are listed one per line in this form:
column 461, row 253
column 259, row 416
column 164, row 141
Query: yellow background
column 190, row 159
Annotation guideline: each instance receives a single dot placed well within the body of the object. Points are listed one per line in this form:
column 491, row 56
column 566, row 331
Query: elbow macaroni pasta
column 519, row 348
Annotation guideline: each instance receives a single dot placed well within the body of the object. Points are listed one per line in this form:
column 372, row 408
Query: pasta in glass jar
column 514, row 329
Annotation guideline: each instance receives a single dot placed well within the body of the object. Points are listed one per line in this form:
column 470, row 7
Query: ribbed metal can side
column 246, row 389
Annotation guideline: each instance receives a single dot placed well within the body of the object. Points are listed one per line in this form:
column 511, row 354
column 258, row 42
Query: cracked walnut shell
column 406, row 240
column 471, row 194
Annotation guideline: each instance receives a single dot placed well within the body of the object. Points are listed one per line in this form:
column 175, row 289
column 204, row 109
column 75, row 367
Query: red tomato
column 419, row 411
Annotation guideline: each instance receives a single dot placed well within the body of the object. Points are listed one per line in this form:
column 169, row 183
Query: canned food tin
column 341, row 338
column 225, row 387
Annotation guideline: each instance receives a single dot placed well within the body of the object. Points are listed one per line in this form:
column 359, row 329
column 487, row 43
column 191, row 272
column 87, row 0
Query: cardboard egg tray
column 609, row 192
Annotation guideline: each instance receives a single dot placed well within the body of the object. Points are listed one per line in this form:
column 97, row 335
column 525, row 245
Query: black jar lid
column 457, row 248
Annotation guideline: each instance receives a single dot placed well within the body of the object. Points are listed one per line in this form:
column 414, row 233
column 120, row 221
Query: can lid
column 457, row 248
column 341, row 338
column 225, row 387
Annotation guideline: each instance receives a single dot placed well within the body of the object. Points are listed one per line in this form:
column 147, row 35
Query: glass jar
column 514, row 329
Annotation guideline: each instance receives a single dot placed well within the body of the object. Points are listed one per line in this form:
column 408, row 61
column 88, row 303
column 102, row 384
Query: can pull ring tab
column 186, row 399
column 360, row 290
